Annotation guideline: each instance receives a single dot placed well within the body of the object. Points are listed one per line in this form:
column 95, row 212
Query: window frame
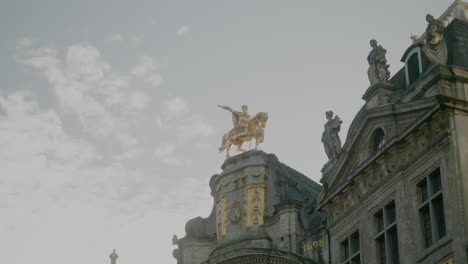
column 348, row 257
column 428, row 201
column 415, row 50
column 388, row 226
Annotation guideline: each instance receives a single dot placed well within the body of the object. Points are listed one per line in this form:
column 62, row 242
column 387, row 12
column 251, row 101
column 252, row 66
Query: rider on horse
column 240, row 121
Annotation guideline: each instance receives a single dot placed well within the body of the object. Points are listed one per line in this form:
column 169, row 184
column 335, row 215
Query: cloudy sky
column 108, row 121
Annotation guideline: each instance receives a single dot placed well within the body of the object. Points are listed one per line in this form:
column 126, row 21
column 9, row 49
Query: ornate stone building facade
column 395, row 192
column 257, row 216
column 398, row 190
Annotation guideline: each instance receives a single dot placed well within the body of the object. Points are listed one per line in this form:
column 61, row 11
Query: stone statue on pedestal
column 330, row 138
column 113, row 256
column 435, row 48
column 245, row 129
column 378, row 68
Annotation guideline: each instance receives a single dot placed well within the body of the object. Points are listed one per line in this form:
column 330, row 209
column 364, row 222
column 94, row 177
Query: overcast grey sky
column 108, row 121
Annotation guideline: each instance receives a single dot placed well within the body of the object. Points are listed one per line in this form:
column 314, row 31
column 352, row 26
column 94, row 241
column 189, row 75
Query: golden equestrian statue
column 245, row 129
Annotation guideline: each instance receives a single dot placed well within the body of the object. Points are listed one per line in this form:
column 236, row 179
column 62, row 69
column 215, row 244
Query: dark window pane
column 390, row 213
column 435, row 182
column 423, row 190
column 392, row 238
column 381, row 249
column 438, row 205
column 379, row 223
column 345, row 249
column 354, row 241
column 378, row 143
column 413, row 68
column 356, row 260
column 426, row 225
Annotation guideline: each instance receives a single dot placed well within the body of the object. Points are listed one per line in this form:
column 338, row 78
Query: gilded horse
column 256, row 127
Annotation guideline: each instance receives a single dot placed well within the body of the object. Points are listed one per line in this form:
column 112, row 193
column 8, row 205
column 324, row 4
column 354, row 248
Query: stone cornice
column 384, row 162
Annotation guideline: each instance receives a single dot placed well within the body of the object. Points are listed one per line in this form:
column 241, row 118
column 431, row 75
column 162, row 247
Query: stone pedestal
column 379, row 94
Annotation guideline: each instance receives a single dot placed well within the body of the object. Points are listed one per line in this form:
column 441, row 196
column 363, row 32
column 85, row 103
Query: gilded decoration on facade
column 396, row 158
column 240, row 175
column 255, row 204
column 245, row 129
column 235, row 213
column 222, row 218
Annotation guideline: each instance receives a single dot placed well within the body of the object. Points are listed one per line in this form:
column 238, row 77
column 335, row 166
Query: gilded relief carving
column 235, row 213
column 221, row 217
column 240, row 175
column 255, row 204
column 400, row 155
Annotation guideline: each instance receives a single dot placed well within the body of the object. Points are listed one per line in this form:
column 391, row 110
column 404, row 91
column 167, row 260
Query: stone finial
column 113, row 256
column 414, row 38
column 378, row 68
column 330, row 138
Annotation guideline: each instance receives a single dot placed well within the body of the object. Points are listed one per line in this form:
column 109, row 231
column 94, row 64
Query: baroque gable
column 360, row 147
column 398, row 154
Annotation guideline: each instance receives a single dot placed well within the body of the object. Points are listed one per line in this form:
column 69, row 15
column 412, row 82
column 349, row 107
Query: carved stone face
column 373, row 43
column 435, row 36
column 329, row 115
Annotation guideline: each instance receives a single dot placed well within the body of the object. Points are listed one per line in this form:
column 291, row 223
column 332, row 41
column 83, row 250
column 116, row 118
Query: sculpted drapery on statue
column 378, row 68
column 245, row 129
column 435, row 48
column 330, row 138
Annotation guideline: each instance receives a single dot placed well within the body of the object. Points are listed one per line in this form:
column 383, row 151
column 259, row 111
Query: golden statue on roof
column 245, row 129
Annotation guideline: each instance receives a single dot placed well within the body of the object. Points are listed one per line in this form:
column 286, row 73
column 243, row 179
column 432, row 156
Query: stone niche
column 262, row 208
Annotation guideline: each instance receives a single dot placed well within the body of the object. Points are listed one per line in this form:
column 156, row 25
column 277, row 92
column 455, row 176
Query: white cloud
column 139, row 100
column 148, row 68
column 176, row 115
column 84, row 63
column 85, row 85
column 117, row 37
column 165, row 153
column 183, row 30
column 28, row 132
column 88, row 153
column 174, row 108
column 193, row 128
column 136, row 40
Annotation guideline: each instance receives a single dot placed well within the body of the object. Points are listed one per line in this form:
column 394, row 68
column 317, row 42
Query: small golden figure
column 245, row 129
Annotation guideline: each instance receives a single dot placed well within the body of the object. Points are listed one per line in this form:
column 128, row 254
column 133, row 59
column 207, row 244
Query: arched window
column 413, row 68
column 413, row 63
column 378, row 140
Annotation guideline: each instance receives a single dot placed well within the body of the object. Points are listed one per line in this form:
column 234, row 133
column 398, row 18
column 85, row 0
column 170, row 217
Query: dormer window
column 378, row 140
column 413, row 64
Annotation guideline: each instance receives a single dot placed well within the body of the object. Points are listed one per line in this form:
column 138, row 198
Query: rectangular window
column 431, row 209
column 386, row 237
column 350, row 249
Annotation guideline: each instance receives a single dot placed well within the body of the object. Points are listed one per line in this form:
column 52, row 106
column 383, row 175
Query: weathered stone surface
column 258, row 205
column 425, row 131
